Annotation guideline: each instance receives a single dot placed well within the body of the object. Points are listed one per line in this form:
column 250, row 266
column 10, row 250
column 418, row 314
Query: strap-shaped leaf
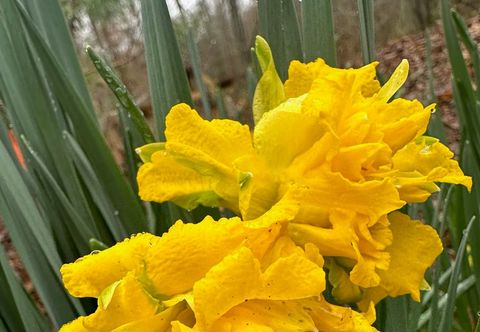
column 278, row 24
column 318, row 31
column 166, row 76
column 367, row 29
column 87, row 133
column 17, row 309
column 447, row 318
column 123, row 95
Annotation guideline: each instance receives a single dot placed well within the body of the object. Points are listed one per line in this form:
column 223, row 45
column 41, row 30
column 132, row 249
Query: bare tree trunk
column 239, row 30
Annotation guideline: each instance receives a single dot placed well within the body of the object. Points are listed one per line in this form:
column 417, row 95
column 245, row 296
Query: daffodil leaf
column 122, row 94
column 269, row 92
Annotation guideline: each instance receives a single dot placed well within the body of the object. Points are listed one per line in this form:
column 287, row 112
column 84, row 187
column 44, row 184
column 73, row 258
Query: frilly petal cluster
column 224, row 275
column 341, row 148
column 318, row 185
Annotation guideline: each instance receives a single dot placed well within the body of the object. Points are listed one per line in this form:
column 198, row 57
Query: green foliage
column 318, row 31
column 367, row 30
column 197, row 72
column 123, row 96
column 70, row 197
column 24, row 315
column 166, row 76
column 278, row 24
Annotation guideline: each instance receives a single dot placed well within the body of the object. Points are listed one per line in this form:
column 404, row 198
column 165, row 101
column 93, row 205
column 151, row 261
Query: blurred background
column 224, row 32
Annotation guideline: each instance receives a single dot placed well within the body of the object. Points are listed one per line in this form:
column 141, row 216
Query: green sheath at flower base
column 145, row 152
column 269, row 91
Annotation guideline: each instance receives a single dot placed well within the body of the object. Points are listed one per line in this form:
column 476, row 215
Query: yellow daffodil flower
column 221, row 275
column 338, row 146
column 413, row 250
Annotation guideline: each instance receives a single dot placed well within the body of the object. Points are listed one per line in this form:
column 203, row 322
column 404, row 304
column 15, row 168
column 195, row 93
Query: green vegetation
column 68, row 195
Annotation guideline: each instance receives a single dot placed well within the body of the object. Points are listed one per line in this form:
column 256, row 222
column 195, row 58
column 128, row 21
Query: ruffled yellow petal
column 343, row 290
column 221, row 140
column 188, row 251
column 412, row 239
column 324, row 191
column 196, row 165
column 261, row 232
column 129, row 303
column 313, row 254
column 334, row 240
column 164, row 179
column 422, row 163
column 273, row 137
column 266, row 316
column 371, row 253
column 400, row 121
column 364, row 272
column 350, row 236
column 310, row 162
column 338, row 94
column 160, row 322
column 301, row 77
column 333, row 318
column 209, row 148
column 361, row 161
column 74, row 326
column 283, row 247
column 179, row 327
column 90, row 275
column 292, row 277
column 239, row 278
column 226, row 285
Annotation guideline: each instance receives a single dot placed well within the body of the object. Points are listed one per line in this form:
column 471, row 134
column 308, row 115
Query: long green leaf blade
column 447, row 317
column 48, row 17
column 367, row 29
column 99, row 194
column 397, row 314
column 471, row 45
column 462, row 87
column 197, row 72
column 79, row 231
column 278, row 24
column 122, row 94
column 17, row 308
column 33, row 241
column 166, row 75
column 37, row 116
column 89, row 137
column 318, row 31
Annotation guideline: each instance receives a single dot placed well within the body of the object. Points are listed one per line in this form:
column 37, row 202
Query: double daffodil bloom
column 336, row 145
column 224, row 275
